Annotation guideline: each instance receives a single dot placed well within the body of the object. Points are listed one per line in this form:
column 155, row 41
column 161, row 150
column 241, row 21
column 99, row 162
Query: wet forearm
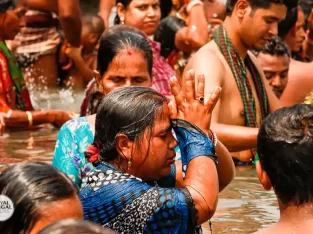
column 202, row 182
column 225, row 166
column 83, row 69
column 236, row 138
column 105, row 8
column 19, row 119
column 69, row 16
column 43, row 5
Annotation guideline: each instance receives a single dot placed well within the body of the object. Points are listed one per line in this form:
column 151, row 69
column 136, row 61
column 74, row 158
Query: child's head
column 93, row 27
column 285, row 146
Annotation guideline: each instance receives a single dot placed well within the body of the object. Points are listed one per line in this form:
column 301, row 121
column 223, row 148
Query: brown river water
column 244, row 207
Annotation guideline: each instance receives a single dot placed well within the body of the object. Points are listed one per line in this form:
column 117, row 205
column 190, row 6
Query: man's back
column 299, row 83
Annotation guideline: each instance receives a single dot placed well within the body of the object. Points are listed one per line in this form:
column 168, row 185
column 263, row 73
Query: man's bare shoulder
column 206, row 55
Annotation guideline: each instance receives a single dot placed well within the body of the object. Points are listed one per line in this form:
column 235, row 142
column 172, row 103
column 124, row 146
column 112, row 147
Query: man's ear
column 263, row 177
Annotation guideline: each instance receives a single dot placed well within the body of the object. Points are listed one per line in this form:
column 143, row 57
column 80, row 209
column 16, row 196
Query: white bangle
column 192, row 4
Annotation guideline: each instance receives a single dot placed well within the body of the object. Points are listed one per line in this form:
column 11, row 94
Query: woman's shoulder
column 77, row 124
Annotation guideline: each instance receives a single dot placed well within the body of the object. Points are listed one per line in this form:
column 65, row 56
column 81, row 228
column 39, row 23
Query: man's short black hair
column 285, row 148
column 275, row 46
column 261, row 4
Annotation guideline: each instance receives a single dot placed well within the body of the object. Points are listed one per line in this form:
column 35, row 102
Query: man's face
column 299, row 33
column 259, row 25
column 276, row 70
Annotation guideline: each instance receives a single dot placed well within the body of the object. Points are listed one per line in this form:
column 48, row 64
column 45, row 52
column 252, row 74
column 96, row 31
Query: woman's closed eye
column 139, row 80
column 117, row 79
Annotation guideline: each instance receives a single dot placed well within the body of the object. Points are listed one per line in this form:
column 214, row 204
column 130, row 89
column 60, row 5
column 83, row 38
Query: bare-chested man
column 246, row 98
column 300, row 73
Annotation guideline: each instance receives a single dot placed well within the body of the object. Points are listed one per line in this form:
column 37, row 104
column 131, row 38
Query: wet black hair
column 285, row 146
column 166, row 32
column 276, row 46
column 30, row 185
column 130, row 111
column 288, row 23
column 261, row 4
column 72, row 226
column 117, row 39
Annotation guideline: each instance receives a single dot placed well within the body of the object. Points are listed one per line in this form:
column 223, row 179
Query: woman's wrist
column 193, row 142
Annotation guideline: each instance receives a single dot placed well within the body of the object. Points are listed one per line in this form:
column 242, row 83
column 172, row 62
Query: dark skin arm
column 195, row 35
column 202, row 178
column 69, row 16
column 76, row 55
column 105, row 10
column 19, row 119
column 225, row 176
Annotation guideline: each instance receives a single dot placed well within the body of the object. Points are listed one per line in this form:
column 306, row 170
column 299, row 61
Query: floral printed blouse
column 72, row 141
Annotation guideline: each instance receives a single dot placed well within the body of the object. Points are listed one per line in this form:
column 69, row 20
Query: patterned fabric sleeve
column 125, row 204
column 176, row 213
column 65, row 150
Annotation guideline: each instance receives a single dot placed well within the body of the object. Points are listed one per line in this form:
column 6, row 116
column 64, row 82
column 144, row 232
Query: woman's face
column 128, row 68
column 144, row 15
column 52, row 212
column 154, row 154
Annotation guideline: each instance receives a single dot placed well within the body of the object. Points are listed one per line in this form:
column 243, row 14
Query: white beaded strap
column 192, row 4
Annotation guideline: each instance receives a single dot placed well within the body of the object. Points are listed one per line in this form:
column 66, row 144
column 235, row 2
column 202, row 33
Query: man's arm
column 105, row 9
column 69, row 16
column 235, row 138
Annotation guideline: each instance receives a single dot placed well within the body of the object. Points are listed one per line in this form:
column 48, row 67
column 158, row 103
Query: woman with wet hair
column 72, row 226
column 137, row 186
column 40, row 194
column 124, row 59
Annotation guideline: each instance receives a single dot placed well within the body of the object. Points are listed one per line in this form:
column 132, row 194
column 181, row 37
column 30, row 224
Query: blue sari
column 126, row 204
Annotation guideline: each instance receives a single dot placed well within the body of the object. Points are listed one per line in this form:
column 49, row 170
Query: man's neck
column 296, row 214
column 231, row 30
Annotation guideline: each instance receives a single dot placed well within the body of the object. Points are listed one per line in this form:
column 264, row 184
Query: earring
column 129, row 164
column 122, row 20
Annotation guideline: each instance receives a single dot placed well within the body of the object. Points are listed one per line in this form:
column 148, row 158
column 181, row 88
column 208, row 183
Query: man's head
column 291, row 30
column 275, row 59
column 285, row 146
column 257, row 20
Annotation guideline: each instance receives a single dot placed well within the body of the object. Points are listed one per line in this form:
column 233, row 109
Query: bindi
column 129, row 52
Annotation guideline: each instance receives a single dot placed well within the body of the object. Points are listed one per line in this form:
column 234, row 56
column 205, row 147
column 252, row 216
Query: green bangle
column 256, row 158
